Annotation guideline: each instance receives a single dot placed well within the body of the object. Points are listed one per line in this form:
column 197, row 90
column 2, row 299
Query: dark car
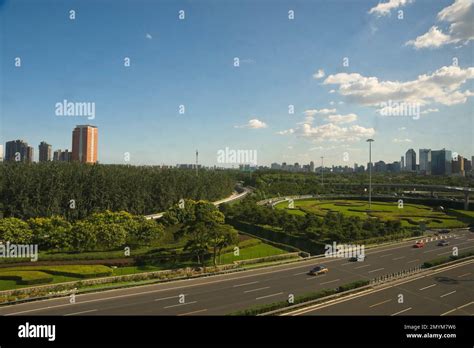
column 360, row 257
column 318, row 270
column 443, row 243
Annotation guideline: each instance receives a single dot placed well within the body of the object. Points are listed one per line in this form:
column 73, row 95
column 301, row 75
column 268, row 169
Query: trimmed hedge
column 442, row 260
column 27, row 277
column 260, row 309
column 79, row 271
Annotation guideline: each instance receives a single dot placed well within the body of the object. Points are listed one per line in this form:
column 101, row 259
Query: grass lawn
column 409, row 215
column 24, row 276
column 253, row 252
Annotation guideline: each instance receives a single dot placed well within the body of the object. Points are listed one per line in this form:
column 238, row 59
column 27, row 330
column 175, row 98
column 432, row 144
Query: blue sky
column 190, row 62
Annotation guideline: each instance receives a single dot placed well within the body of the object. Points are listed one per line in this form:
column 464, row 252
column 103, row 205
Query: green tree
column 15, row 231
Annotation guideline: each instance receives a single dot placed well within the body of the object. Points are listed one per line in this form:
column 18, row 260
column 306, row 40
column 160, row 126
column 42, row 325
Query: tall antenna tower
column 197, row 161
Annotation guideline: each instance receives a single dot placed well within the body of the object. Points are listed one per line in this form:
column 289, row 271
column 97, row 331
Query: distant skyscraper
column 62, row 156
column 410, row 157
column 16, row 150
column 402, row 163
column 311, row 167
column 441, row 162
column 30, row 154
column 44, row 152
column 425, row 161
column 84, row 144
column 458, row 165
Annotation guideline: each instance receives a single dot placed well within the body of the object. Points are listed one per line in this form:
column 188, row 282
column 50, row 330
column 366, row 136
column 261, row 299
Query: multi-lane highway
column 447, row 291
column 222, row 294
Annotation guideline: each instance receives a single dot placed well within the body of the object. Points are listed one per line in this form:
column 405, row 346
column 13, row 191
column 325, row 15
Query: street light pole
column 370, row 172
column 322, row 170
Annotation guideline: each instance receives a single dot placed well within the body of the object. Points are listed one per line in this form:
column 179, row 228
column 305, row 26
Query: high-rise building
column 30, row 154
column 441, row 162
column 84, row 144
column 44, row 152
column 62, row 156
column 380, row 167
column 16, row 150
column 311, row 167
column 425, row 161
column 457, row 165
column 410, row 157
column 402, row 163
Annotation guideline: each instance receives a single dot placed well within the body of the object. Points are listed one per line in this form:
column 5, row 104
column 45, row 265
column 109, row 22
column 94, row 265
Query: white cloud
column 396, row 140
column 310, row 113
column 337, row 119
column 433, row 38
column 442, row 86
column 148, row 36
column 254, row 124
column 286, row 131
column 427, row 111
column 384, row 8
column 402, row 128
column 459, row 15
column 319, row 74
column 333, row 132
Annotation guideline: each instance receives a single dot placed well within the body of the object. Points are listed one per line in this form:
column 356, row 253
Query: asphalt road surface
column 444, row 292
column 222, row 294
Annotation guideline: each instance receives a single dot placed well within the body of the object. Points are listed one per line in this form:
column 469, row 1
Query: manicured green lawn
column 253, row 252
column 409, row 215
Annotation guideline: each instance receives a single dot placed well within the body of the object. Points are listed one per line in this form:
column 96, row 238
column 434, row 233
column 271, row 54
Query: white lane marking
column 236, row 286
column 92, row 310
column 378, row 304
column 376, row 270
column 398, row 258
column 331, row 281
column 259, row 298
column 463, row 275
column 460, row 307
column 413, row 261
column 449, row 293
column 167, row 298
column 347, row 263
column 402, row 311
column 300, row 273
column 180, row 304
column 189, row 313
column 267, row 287
column 361, row 266
column 427, row 287
column 385, row 255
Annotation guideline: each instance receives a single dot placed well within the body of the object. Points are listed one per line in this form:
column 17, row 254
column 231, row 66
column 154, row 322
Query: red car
column 419, row 245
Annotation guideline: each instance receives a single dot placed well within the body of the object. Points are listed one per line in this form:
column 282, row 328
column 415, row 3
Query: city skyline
column 330, row 81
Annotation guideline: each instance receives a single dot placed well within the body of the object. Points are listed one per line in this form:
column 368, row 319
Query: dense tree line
column 99, row 231
column 74, row 190
column 274, row 182
column 332, row 227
